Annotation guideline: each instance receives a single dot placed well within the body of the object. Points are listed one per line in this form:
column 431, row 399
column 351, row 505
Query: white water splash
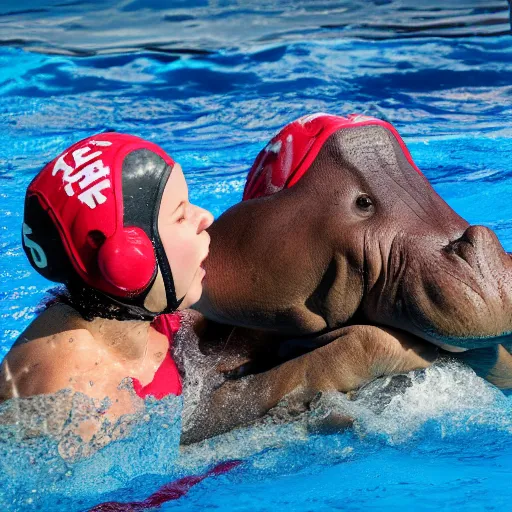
column 46, row 465
column 448, row 395
column 446, row 400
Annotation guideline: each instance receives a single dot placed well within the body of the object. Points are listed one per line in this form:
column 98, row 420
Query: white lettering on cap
column 36, row 251
column 86, row 177
column 93, row 196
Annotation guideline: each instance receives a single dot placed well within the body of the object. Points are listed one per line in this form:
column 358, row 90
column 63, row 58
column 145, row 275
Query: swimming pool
column 211, row 82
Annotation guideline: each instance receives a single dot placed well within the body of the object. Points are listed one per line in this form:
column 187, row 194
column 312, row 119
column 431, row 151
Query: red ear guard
column 127, row 260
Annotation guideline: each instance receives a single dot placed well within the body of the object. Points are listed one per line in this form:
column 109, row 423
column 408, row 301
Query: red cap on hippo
column 92, row 213
column 288, row 156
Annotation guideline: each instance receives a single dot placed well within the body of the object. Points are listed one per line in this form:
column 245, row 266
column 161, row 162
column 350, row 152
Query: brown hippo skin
column 360, row 237
column 341, row 243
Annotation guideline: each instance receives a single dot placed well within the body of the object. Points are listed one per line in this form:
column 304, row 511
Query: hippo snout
column 459, row 296
column 479, row 245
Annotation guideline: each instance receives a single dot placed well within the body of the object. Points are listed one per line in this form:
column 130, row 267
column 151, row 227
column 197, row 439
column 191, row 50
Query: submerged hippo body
column 339, row 227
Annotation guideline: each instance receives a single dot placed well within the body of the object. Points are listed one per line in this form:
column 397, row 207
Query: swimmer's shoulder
column 49, row 354
column 53, row 321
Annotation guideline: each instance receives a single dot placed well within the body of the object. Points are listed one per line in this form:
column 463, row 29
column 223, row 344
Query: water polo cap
column 287, row 157
column 94, row 210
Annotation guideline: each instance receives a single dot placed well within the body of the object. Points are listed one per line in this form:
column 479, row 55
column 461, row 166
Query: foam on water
column 445, row 399
column 46, row 465
column 409, row 430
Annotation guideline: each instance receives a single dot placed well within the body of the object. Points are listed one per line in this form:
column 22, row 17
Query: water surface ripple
column 202, row 26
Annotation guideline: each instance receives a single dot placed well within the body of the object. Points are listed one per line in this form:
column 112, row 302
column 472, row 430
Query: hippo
column 342, row 245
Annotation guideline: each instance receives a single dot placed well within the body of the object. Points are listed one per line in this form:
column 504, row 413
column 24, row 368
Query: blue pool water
column 211, row 82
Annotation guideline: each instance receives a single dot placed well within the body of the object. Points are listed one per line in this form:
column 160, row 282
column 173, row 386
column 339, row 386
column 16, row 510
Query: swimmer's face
column 182, row 229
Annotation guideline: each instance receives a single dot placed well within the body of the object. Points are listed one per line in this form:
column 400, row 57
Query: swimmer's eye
column 364, row 202
column 182, row 213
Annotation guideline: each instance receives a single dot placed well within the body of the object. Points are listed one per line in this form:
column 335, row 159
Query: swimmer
column 110, row 219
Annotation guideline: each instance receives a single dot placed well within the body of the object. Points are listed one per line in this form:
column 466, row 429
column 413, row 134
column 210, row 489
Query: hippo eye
column 364, row 202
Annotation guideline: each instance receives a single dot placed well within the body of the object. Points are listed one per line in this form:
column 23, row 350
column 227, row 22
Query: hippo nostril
column 464, row 246
column 473, row 236
column 478, row 243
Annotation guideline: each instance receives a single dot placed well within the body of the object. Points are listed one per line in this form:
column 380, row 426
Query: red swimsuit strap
column 166, row 380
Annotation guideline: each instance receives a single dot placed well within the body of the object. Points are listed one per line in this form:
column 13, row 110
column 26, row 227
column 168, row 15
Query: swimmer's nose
column 205, row 219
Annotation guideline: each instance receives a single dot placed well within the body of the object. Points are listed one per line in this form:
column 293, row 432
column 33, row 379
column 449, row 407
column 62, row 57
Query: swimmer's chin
column 195, row 291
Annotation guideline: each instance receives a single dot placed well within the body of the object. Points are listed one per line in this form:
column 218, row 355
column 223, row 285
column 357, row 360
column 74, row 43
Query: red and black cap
column 287, row 157
column 93, row 212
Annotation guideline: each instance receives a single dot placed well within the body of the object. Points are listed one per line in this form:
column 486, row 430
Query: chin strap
column 137, row 309
column 138, row 312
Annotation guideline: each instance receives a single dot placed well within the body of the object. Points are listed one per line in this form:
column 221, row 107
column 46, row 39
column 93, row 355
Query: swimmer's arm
column 357, row 355
column 40, row 358
column 21, row 373
column 6, row 388
column 27, row 373
column 491, row 363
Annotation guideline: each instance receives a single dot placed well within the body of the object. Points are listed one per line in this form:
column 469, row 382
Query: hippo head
column 339, row 226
